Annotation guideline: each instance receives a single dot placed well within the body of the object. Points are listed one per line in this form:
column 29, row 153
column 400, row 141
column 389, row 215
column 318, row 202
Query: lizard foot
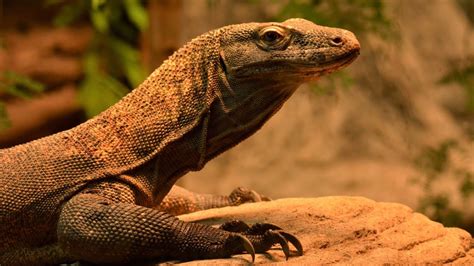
column 264, row 235
column 244, row 195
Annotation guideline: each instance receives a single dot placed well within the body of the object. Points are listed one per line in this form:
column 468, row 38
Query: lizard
column 96, row 193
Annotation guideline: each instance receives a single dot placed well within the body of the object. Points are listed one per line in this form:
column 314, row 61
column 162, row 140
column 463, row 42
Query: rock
column 348, row 230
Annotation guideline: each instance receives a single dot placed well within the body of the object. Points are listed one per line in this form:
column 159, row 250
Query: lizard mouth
column 330, row 66
column 296, row 68
column 346, row 59
column 335, row 62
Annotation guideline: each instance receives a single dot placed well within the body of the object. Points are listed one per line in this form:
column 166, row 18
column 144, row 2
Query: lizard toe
column 244, row 195
column 236, row 226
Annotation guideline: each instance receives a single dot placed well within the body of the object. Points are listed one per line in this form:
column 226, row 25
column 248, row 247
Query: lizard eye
column 273, row 38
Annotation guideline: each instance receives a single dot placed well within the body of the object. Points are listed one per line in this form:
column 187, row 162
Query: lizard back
column 37, row 177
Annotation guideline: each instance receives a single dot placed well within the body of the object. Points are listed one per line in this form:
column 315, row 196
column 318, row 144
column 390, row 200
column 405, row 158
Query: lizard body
column 90, row 193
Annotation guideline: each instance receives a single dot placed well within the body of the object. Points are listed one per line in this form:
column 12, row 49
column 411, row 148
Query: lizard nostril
column 336, row 41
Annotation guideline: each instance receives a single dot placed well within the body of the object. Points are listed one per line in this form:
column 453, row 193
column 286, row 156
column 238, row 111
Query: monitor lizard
column 95, row 193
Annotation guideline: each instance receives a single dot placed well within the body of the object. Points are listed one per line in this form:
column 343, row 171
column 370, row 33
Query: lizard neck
column 242, row 114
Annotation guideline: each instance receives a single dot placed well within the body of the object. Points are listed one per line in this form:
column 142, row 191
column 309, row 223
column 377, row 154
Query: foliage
column 112, row 63
column 462, row 70
column 16, row 85
column 98, row 90
column 4, row 121
column 463, row 74
column 433, row 163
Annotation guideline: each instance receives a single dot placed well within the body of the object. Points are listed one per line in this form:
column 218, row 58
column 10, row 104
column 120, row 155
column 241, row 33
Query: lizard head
column 261, row 65
column 296, row 50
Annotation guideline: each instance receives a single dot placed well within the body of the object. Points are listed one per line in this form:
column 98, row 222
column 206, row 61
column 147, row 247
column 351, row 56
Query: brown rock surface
column 348, row 230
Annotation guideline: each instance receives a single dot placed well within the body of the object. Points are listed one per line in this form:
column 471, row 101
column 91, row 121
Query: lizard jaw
column 310, row 65
column 342, row 61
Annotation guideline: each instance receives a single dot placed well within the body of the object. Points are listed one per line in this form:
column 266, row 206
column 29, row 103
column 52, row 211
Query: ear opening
column 222, row 63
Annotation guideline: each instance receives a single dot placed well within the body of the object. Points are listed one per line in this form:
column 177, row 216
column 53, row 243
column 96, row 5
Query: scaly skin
column 93, row 193
column 180, row 200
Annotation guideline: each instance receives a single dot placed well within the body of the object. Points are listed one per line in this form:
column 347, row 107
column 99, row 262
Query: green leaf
column 129, row 59
column 467, row 185
column 137, row 14
column 98, row 92
column 91, row 63
column 4, row 121
column 439, row 208
column 18, row 85
column 99, row 16
column 435, row 160
column 464, row 76
column 69, row 13
column 97, row 4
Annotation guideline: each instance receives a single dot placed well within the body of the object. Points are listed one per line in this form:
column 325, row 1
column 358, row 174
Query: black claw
column 269, row 226
column 283, row 243
column 294, row 241
column 247, row 246
column 261, row 228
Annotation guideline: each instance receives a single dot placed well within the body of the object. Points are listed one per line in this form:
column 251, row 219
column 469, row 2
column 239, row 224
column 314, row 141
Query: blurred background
column 397, row 125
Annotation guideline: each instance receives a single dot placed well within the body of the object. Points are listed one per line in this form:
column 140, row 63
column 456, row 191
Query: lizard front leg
column 262, row 235
column 97, row 229
column 180, row 200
